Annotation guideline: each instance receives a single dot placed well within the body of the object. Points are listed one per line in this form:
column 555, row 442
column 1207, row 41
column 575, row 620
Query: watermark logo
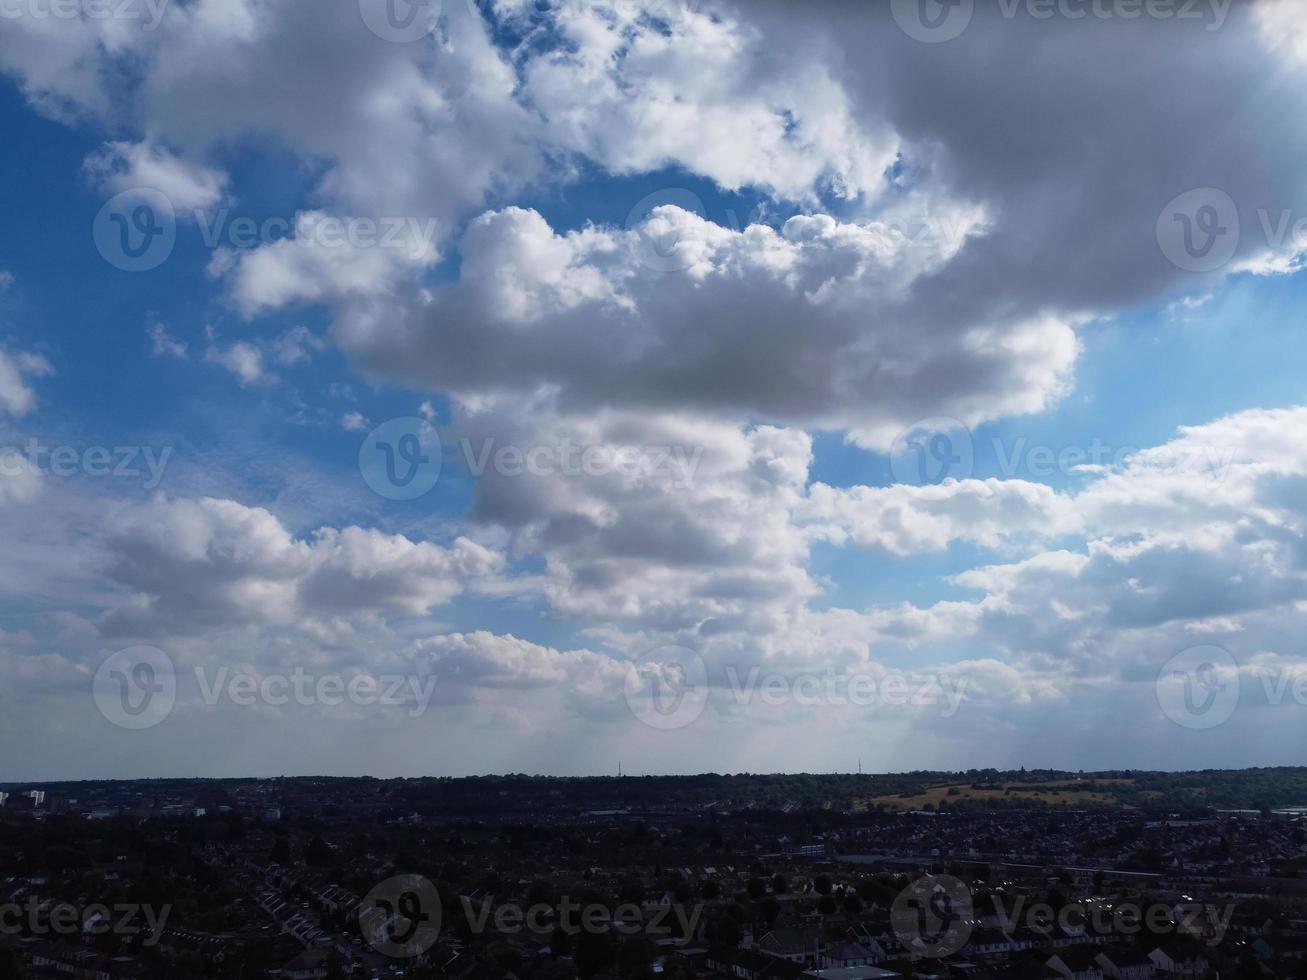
column 1094, row 921
column 148, row 12
column 573, row 918
column 933, row 21
column 39, row 917
column 136, row 688
column 401, row 21
column 674, row 465
column 244, row 688
column 1198, row 688
column 1198, row 231
column 314, row 229
column 932, row 916
column 893, row 689
column 144, row 463
column 136, row 230
column 938, row 449
column 665, row 238
column 400, row 917
column 667, row 687
column 932, row 451
column 401, row 459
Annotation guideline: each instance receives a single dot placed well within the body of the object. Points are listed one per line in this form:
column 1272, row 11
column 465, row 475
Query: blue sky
column 761, row 260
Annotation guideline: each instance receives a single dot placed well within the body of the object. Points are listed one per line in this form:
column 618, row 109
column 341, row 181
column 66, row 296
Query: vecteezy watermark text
column 938, row 21
column 148, row 12
column 136, row 231
column 246, row 689
column 933, row 918
column 313, row 229
column 1202, row 686
column 144, row 463
column 402, row 459
column 933, row 450
column 573, row 917
column 401, row 917
column 1201, row 231
column 838, row 688
column 668, row 688
column 1196, row 920
column 136, row 688
column 676, row 464
column 42, row 917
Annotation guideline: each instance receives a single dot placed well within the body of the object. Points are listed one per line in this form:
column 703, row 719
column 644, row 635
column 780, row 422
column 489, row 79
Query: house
column 1126, row 964
column 1177, row 961
column 852, row 954
column 49, row 958
column 747, row 964
column 309, row 965
column 1075, row 963
column 989, row 942
column 791, row 944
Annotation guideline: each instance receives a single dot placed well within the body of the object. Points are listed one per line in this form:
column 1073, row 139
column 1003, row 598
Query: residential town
column 553, row 879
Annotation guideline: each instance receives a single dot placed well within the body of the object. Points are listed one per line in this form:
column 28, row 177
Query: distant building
column 33, row 799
